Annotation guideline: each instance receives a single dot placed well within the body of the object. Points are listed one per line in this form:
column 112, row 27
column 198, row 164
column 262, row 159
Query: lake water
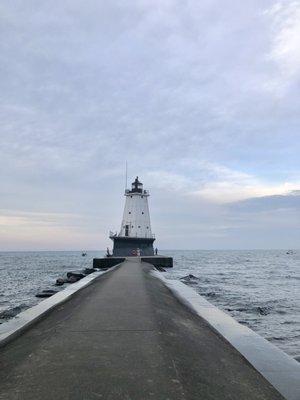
column 259, row 288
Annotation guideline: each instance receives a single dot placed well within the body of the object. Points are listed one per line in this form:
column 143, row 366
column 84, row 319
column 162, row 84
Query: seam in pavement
column 115, row 330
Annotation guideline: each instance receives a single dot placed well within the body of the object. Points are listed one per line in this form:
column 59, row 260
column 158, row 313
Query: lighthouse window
column 139, row 226
column 131, row 196
column 142, row 197
column 126, row 230
column 142, row 212
column 129, row 212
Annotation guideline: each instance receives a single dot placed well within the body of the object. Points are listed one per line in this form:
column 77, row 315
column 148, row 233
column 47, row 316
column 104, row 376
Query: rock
column 88, row 271
column 210, row 294
column 76, row 274
column 160, row 268
column 263, row 310
column 12, row 312
column 53, row 291
column 72, row 279
column 43, row 294
column 60, row 281
column 46, row 293
column 189, row 277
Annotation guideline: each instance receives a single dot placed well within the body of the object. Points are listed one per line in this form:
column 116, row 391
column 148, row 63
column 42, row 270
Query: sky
column 201, row 98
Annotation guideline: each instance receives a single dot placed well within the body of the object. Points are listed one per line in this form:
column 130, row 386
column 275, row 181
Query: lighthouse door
column 126, row 230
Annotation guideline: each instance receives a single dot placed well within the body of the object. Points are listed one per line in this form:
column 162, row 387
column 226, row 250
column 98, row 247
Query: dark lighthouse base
column 158, row 262
column 127, row 246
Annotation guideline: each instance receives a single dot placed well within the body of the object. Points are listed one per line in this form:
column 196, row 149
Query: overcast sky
column 202, row 99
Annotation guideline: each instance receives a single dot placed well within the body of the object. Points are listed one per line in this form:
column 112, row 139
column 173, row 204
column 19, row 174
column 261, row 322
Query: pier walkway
column 126, row 337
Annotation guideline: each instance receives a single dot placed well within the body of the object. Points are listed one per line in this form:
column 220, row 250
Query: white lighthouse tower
column 135, row 233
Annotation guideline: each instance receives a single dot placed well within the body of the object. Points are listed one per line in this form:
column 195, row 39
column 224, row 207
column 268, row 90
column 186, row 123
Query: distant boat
column 84, row 254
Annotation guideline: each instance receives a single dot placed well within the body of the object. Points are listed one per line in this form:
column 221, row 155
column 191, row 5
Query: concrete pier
column 126, row 337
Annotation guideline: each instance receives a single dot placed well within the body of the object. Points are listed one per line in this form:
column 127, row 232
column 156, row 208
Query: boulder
column 263, row 310
column 76, row 274
column 88, row 271
column 189, row 277
column 72, row 279
column 52, row 291
column 60, row 281
column 43, row 294
column 46, row 293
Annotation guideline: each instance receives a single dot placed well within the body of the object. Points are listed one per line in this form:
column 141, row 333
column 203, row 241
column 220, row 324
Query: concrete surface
column 107, row 262
column 159, row 261
column 126, row 337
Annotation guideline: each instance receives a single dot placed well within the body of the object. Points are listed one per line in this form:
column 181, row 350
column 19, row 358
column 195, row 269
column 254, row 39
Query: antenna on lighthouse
column 126, row 175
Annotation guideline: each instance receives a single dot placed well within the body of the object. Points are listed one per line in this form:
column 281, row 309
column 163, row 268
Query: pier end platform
column 157, row 261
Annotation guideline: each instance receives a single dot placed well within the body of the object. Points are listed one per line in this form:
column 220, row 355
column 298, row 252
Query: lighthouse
column 135, row 236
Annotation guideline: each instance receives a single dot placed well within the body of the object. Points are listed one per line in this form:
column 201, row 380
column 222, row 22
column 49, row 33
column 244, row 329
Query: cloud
column 216, row 183
column 46, row 230
column 281, row 202
column 201, row 100
column 229, row 191
column 285, row 44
